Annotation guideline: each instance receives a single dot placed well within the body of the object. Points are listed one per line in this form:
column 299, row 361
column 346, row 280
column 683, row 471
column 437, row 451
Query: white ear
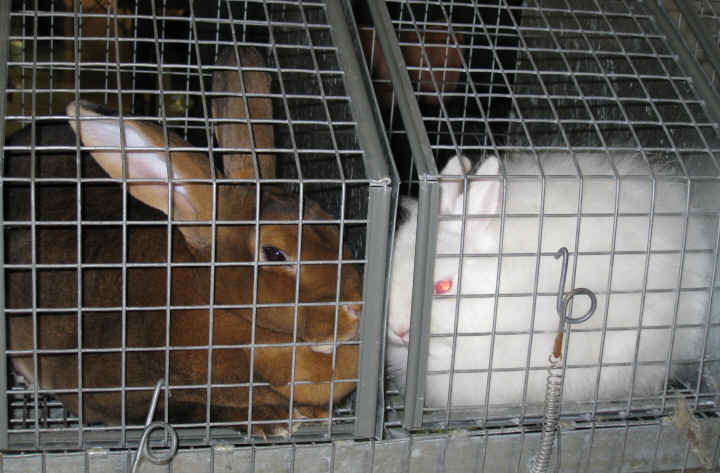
column 190, row 201
column 484, row 195
column 458, row 165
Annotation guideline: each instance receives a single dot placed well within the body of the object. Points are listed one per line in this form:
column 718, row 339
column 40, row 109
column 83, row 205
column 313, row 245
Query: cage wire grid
column 577, row 77
column 533, row 77
column 693, row 19
column 160, row 74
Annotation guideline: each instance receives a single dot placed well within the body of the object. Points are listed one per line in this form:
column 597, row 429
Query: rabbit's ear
column 484, row 195
column 231, row 103
column 190, row 201
column 450, row 190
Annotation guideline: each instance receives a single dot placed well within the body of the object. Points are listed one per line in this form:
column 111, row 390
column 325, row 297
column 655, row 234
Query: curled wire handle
column 563, row 299
column 144, row 449
column 163, row 457
column 154, row 402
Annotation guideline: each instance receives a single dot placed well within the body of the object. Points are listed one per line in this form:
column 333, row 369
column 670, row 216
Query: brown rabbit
column 137, row 358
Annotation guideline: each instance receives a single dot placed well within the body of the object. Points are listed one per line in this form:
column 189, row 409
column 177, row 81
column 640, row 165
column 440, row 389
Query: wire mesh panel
column 654, row 448
column 697, row 21
column 186, row 199
column 557, row 124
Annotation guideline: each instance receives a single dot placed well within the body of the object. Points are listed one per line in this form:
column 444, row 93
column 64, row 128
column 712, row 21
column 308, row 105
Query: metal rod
column 423, row 279
column 383, row 193
column 4, row 52
column 556, row 374
column 409, row 109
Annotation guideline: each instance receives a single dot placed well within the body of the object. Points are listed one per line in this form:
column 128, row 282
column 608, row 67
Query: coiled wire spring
column 556, row 377
column 551, row 417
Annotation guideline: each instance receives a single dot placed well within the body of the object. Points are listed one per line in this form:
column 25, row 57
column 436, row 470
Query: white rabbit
column 603, row 348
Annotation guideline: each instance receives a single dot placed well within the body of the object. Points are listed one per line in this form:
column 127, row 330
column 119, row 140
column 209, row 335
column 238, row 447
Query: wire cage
column 516, row 127
column 238, row 282
column 558, row 124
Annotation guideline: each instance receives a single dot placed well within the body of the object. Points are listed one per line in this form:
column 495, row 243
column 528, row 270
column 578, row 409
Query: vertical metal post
column 382, row 203
column 425, row 242
column 428, row 209
column 370, row 393
column 4, row 52
column 409, row 108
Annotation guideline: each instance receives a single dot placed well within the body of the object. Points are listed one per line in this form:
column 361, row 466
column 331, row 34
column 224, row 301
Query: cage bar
column 382, row 204
column 4, row 47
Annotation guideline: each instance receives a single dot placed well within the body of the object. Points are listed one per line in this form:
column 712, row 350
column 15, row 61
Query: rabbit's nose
column 403, row 334
column 353, row 310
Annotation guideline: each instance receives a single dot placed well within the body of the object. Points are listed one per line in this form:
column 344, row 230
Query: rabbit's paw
column 310, row 412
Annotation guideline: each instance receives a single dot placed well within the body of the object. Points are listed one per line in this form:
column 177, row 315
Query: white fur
column 586, row 360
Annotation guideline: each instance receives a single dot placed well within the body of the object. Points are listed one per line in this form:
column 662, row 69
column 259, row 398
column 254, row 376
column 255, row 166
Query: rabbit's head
column 467, row 203
column 279, row 247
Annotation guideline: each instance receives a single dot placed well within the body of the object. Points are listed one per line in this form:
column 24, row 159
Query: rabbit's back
column 52, row 292
column 56, row 200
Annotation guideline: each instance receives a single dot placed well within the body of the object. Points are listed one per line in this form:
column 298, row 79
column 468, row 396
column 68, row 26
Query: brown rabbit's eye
column 273, row 254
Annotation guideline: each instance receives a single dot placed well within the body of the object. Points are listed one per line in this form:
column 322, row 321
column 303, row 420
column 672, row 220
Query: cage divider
column 421, row 308
column 369, row 404
column 429, row 201
column 382, row 203
column 4, row 52
column 379, row 165
column 409, row 108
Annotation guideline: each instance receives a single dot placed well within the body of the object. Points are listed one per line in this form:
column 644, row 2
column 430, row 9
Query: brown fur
column 440, row 50
column 146, row 330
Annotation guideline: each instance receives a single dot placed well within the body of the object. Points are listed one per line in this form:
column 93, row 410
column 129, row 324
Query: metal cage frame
column 391, row 430
column 411, row 411
column 381, row 189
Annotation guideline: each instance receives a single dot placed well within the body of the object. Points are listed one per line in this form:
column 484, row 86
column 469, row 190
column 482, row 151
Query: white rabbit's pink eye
column 442, row 287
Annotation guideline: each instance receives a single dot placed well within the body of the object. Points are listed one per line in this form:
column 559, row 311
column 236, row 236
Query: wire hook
column 556, row 375
column 144, row 445
column 563, row 299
